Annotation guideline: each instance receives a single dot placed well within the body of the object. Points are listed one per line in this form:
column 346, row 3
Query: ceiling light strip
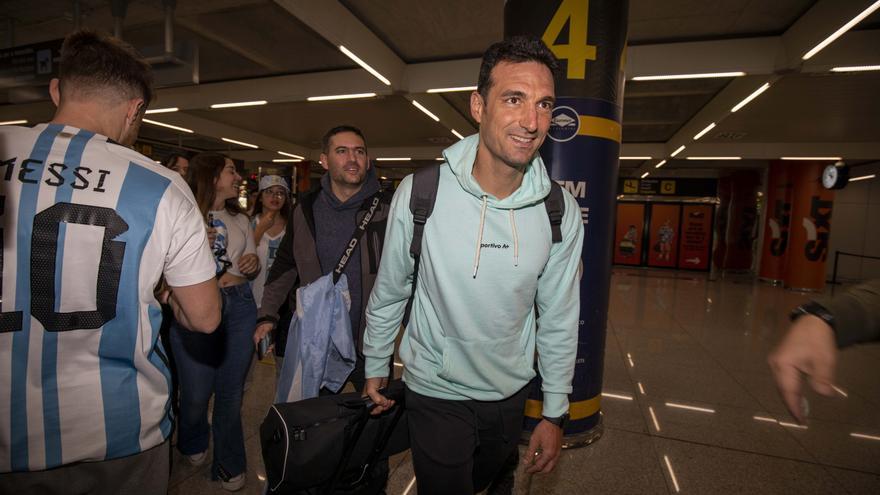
column 457, row 134
column 817, row 158
column 425, row 111
column 751, row 97
column 341, row 97
column 864, row 177
column 240, row 104
column 291, row 155
column 654, row 418
column 348, row 53
column 713, row 158
column 677, row 151
column 705, row 75
column 671, row 473
column 14, row 122
column 643, row 176
column 792, row 425
column 286, row 160
column 704, row 131
column 662, row 162
column 856, row 68
column 240, row 143
column 866, row 437
column 636, row 157
column 162, row 124
column 394, row 159
column 616, row 396
column 765, row 419
column 689, row 408
column 161, row 110
column 846, row 27
column 451, row 90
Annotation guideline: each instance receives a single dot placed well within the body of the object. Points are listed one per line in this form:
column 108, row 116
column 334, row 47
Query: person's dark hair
column 204, row 169
column 515, row 49
column 325, row 141
column 171, row 160
column 93, row 64
column 284, row 211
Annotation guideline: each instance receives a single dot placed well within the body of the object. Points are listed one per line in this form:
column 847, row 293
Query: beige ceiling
column 286, row 50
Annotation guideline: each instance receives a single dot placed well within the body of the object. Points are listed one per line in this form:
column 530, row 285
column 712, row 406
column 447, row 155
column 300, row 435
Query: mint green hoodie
column 487, row 264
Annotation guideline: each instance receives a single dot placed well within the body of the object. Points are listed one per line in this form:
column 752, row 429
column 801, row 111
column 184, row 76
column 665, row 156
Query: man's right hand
column 808, row 349
column 261, row 331
column 371, row 389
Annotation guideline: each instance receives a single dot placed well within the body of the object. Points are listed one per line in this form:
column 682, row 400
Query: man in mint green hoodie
column 492, row 288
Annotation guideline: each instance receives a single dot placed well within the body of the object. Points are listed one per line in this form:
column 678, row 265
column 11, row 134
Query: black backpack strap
column 421, row 205
column 555, row 204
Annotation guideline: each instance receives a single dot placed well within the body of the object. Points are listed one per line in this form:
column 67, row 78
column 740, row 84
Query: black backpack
column 421, row 203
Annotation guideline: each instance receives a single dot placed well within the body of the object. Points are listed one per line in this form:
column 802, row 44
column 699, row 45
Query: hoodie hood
column 534, row 188
column 369, row 187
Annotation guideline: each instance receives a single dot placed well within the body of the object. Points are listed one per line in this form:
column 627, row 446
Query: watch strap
column 815, row 309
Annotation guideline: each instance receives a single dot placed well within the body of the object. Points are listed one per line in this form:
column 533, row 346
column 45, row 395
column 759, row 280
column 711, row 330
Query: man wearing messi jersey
column 88, row 228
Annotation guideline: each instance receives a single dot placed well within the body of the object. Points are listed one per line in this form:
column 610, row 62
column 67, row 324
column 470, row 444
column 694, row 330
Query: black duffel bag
column 331, row 444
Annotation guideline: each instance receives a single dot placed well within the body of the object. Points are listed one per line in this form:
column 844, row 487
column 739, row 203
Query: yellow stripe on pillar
column 576, row 410
column 600, row 127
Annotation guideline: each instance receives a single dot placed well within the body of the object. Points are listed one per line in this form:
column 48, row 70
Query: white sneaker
column 235, row 483
column 198, row 459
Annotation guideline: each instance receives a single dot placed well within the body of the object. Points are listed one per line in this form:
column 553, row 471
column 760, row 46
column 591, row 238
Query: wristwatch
column 559, row 421
column 815, row 309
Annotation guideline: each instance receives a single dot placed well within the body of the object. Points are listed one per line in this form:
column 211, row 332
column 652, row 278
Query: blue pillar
column 581, row 153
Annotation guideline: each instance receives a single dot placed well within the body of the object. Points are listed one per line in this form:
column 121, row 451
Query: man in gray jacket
column 818, row 329
column 320, row 229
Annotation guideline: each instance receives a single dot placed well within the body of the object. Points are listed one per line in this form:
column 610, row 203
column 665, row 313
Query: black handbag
column 332, row 443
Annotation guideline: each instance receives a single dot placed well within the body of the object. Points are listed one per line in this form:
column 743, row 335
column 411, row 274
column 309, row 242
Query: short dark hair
column 325, row 141
column 170, row 161
column 93, row 63
column 516, row 49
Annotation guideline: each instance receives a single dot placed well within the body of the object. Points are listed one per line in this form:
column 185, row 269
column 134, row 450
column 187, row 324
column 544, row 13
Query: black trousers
column 145, row 473
column 460, row 446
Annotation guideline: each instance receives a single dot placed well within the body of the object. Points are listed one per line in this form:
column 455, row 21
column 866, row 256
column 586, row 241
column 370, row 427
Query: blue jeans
column 216, row 364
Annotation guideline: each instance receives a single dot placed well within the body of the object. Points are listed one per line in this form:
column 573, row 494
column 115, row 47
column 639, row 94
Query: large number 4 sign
column 577, row 51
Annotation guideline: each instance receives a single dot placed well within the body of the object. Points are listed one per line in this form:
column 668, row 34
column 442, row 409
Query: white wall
column 855, row 226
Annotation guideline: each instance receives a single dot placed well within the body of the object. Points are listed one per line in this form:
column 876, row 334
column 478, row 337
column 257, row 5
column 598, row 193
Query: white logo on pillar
column 810, row 227
column 564, row 124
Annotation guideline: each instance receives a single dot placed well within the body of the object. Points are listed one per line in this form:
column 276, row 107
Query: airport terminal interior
column 746, row 185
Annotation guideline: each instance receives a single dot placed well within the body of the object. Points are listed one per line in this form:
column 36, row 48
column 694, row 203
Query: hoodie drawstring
column 480, row 236
column 515, row 239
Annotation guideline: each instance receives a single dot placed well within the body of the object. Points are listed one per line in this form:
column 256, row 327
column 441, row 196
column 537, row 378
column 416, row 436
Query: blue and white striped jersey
column 88, row 228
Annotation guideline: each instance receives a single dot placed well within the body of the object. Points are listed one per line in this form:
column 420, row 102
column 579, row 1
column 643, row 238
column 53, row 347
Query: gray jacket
column 297, row 263
column 856, row 314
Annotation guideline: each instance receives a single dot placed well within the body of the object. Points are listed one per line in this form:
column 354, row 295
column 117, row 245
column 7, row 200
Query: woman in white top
column 269, row 221
column 216, row 364
column 271, row 212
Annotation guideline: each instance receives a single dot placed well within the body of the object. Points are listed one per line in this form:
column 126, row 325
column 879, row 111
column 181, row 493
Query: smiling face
column 226, row 184
column 515, row 115
column 346, row 159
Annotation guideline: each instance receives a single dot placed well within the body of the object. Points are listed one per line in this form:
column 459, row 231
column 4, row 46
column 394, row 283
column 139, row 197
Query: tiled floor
column 692, row 343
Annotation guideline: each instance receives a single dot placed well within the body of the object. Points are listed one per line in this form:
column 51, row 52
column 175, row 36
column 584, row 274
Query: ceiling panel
column 423, row 31
column 385, row 121
column 686, row 20
column 810, row 108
